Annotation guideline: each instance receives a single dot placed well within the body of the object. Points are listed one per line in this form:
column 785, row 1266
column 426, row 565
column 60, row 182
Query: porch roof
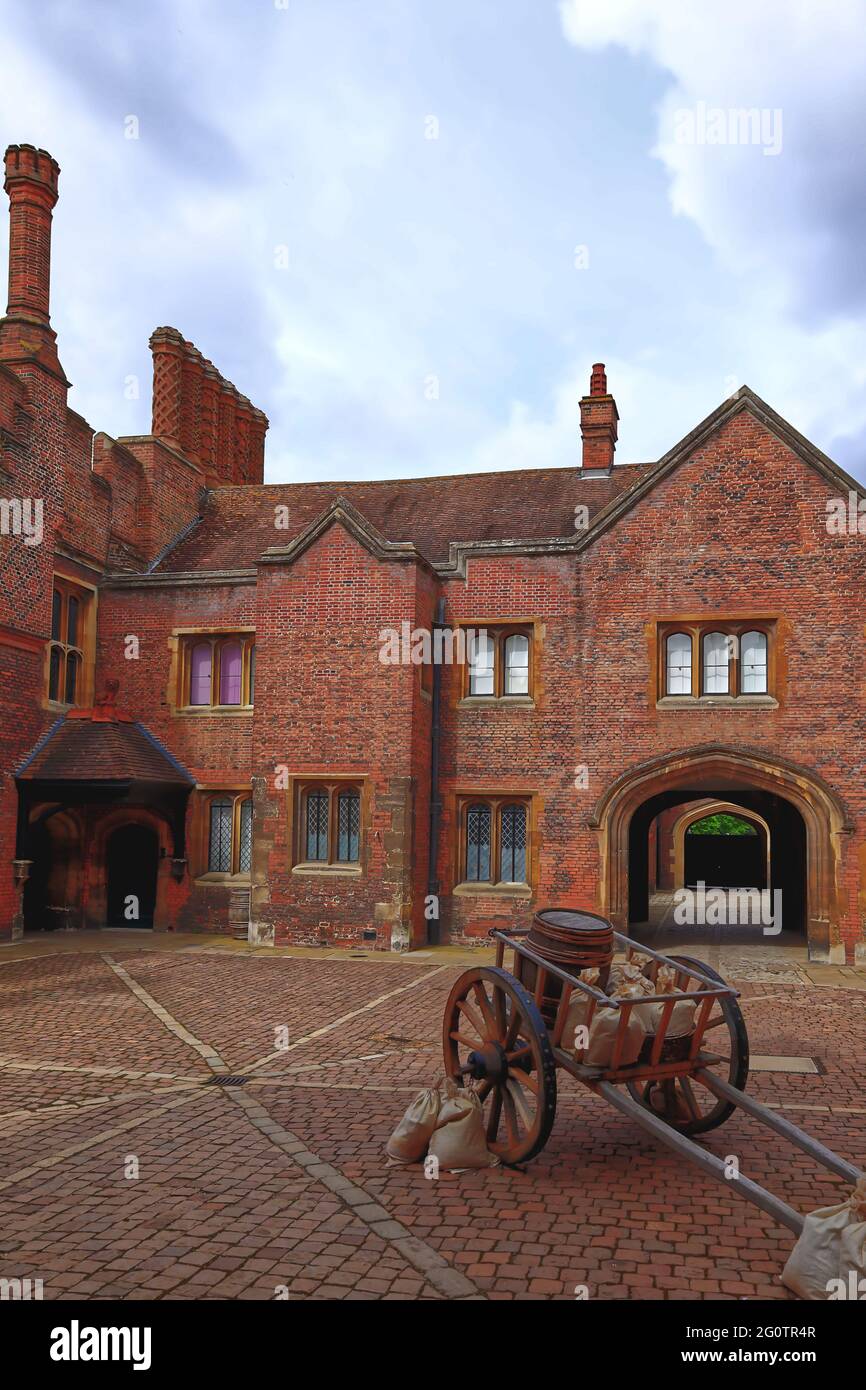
column 88, row 746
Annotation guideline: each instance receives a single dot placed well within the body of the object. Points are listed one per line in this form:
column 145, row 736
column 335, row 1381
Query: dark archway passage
column 731, row 866
column 725, row 851
column 132, row 859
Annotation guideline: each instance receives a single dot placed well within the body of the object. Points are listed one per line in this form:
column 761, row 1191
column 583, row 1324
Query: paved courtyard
column 126, row 1172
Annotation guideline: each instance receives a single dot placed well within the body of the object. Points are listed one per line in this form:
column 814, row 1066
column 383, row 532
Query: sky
column 406, row 230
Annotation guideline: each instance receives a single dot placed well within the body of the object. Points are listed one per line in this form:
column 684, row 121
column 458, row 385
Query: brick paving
column 125, row 1173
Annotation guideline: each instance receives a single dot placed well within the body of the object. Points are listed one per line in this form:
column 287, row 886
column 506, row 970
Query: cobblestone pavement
column 126, row 1172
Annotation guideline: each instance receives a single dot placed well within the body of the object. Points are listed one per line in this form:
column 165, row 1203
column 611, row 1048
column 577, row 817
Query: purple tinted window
column 199, row 681
column 231, row 667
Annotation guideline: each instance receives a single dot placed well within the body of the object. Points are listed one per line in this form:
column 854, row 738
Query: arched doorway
column 52, row 892
column 132, row 860
column 804, row 815
column 721, row 842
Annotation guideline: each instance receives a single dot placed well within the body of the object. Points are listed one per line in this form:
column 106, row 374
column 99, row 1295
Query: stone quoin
column 199, row 731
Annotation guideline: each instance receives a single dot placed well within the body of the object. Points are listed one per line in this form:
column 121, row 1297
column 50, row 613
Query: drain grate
column 227, row 1081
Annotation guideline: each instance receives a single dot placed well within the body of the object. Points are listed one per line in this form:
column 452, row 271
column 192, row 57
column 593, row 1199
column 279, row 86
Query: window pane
column 73, row 664
column 252, row 674
column 715, row 664
column 348, row 827
column 517, row 665
column 753, row 663
column 220, row 847
column 478, row 844
column 317, row 825
column 54, row 673
column 679, row 664
column 481, row 665
column 245, row 853
column 199, row 680
column 231, row 668
column 56, row 614
column 512, row 868
column 72, row 622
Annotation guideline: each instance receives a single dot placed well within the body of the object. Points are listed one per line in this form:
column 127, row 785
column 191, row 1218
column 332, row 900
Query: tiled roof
column 88, row 750
column 525, row 504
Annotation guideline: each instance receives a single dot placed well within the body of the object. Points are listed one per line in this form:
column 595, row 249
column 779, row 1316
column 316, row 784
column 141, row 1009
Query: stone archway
column 713, row 770
column 713, row 808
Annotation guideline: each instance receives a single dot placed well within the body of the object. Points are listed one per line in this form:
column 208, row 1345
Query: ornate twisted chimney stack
column 26, row 333
column 203, row 415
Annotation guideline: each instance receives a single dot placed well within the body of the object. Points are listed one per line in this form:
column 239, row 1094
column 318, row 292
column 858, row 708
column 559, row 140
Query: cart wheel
column 683, row 1102
column 493, row 1034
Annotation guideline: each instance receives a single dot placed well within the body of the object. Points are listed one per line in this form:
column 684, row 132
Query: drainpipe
column 433, row 932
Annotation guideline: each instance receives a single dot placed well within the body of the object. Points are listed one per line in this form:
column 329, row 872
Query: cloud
column 793, row 220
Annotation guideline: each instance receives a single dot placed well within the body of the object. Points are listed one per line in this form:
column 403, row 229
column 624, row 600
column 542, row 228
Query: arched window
column 219, row 860
column 231, row 671
column 512, row 866
column 245, row 850
column 200, row 674
column 348, row 827
column 317, row 825
column 230, row 834
column 478, row 844
column 716, row 679
column 481, row 664
column 516, row 664
column 753, row 663
column 217, row 672
column 494, row 840
column 70, row 607
column 330, row 824
column 498, row 661
column 678, row 679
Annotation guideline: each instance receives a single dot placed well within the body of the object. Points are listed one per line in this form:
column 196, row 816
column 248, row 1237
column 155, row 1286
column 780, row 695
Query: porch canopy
column 102, row 756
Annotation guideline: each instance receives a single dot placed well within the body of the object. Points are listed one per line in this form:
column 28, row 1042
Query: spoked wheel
column 682, row 1101
column 495, row 1039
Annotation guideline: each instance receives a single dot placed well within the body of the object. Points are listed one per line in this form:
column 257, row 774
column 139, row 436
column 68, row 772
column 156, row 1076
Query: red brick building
column 214, row 715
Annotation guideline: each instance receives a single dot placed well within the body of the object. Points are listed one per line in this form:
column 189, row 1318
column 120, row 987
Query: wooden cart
column 496, row 1037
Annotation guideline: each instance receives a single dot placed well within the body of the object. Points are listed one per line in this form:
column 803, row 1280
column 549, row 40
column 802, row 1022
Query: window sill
column 328, row 870
column 501, row 890
column 215, row 880
column 717, row 702
column 496, row 702
column 202, row 711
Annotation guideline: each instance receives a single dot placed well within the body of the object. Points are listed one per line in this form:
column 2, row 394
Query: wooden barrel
column 572, row 939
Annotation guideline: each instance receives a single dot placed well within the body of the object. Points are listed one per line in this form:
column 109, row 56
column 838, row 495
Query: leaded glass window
column 245, row 852
column 348, row 827
column 478, row 844
column 512, row 855
column 317, row 825
column 220, row 843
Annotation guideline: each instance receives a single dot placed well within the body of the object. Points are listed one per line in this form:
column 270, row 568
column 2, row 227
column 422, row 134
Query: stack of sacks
column 626, row 981
column 603, row 1026
column 829, row 1259
column 449, row 1127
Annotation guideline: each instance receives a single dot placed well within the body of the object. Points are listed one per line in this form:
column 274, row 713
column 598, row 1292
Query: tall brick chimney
column 26, row 332
column 598, row 417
